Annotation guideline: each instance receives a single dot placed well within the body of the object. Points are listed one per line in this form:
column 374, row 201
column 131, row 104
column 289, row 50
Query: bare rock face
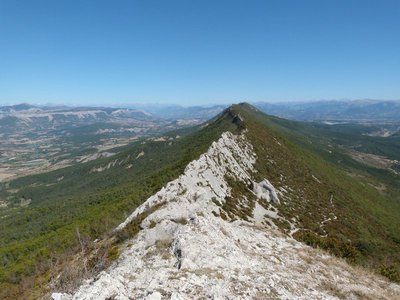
column 266, row 190
column 187, row 251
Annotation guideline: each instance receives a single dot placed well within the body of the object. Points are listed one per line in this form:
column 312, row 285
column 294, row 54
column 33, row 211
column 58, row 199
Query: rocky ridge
column 187, row 248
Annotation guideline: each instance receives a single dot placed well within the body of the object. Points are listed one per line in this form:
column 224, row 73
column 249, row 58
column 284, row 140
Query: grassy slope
column 32, row 239
column 367, row 229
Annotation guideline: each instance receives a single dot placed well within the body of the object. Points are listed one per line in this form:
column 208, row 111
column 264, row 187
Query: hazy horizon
column 132, row 104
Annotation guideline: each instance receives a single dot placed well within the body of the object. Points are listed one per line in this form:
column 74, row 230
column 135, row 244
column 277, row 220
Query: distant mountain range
column 180, row 112
column 358, row 110
column 40, row 117
column 25, row 116
column 330, row 110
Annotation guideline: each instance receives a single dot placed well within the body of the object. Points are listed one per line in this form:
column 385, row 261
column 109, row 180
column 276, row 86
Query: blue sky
column 198, row 52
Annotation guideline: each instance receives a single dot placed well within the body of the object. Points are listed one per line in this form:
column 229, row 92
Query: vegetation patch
column 334, row 245
column 241, row 204
column 182, row 221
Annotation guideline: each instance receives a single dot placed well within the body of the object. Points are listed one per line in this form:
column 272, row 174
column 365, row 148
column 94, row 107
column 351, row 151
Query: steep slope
column 37, row 240
column 188, row 249
column 335, row 209
column 258, row 179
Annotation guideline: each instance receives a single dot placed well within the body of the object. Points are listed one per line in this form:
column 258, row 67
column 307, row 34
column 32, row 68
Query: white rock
column 265, row 190
column 154, row 296
column 60, row 296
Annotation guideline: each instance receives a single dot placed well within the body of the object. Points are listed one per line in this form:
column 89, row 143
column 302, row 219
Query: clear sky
column 197, row 52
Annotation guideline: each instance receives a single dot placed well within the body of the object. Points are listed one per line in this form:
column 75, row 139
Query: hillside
column 248, row 179
column 200, row 238
column 335, row 201
column 43, row 212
